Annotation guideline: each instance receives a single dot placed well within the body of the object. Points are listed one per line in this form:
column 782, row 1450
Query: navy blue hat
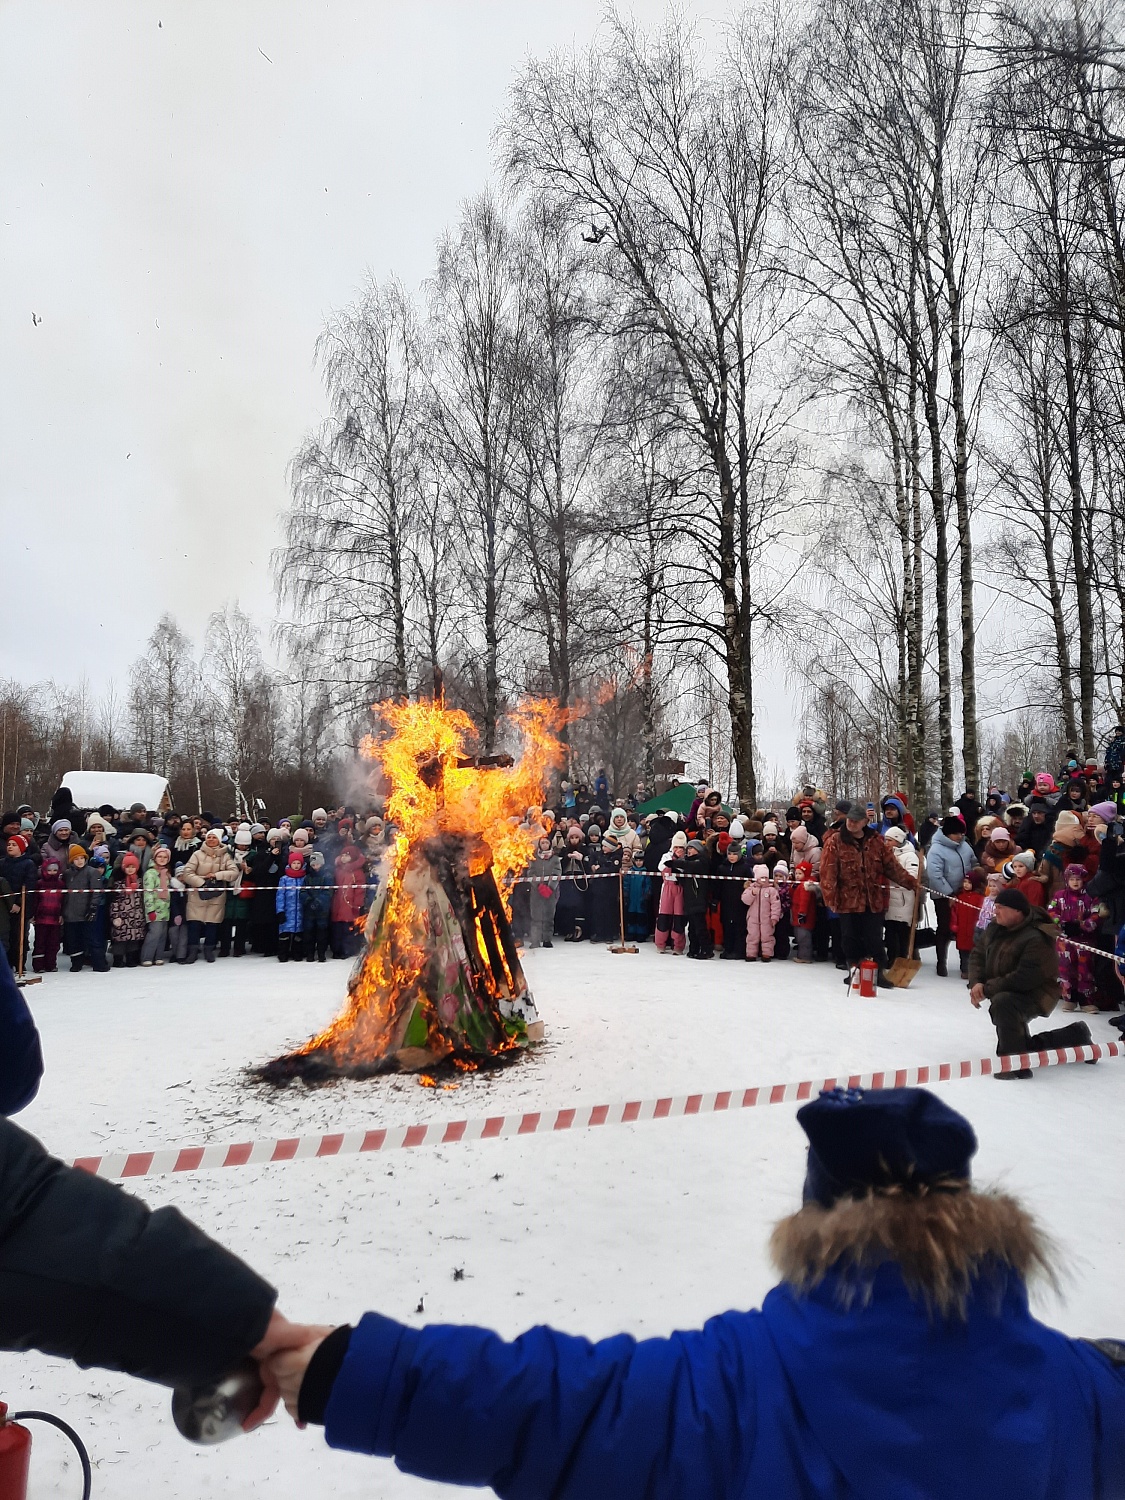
column 859, row 1140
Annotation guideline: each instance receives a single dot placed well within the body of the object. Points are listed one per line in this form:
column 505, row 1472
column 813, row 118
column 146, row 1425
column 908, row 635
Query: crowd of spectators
column 120, row 889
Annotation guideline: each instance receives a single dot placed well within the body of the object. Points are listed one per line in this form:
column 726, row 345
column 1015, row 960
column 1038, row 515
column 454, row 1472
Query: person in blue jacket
column 896, row 1360
column 949, row 859
column 21, row 1056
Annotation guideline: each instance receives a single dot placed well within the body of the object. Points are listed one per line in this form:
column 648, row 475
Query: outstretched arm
column 547, row 1414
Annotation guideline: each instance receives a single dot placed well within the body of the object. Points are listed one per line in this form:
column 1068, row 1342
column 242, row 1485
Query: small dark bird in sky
column 595, row 236
column 35, row 320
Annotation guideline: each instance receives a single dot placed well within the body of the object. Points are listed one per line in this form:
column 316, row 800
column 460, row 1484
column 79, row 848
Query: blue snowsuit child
column 897, row 1360
column 288, row 904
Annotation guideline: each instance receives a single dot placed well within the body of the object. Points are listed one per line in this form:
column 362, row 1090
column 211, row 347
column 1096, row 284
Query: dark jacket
column 83, row 893
column 89, row 1273
column 21, row 874
column 854, row 872
column 660, row 832
column 694, row 876
column 1034, row 835
column 1021, row 960
column 316, row 897
column 266, row 869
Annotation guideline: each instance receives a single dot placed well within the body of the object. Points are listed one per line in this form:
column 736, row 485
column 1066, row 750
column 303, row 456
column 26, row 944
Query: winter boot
column 884, row 983
column 1015, row 1073
column 1077, row 1034
column 942, row 955
column 209, row 953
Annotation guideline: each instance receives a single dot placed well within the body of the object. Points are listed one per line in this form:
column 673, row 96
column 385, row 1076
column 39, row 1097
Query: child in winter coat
column 697, row 894
column 670, row 921
column 347, row 901
column 1027, row 880
column 736, row 868
column 783, row 932
column 1076, row 912
column 763, row 910
column 288, row 907
column 993, row 885
column 19, row 870
column 963, row 914
column 543, row 885
column 49, row 895
column 126, row 904
column 157, row 884
column 900, row 902
column 802, row 911
column 81, row 909
column 317, row 898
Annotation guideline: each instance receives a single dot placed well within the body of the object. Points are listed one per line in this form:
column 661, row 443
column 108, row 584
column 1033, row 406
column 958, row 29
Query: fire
column 440, row 976
column 430, row 792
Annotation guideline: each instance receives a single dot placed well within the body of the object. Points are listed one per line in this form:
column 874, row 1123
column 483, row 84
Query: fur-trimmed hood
column 943, row 1241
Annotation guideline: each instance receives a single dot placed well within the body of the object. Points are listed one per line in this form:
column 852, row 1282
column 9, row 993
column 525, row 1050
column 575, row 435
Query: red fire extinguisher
column 865, row 980
column 15, row 1451
column 15, row 1456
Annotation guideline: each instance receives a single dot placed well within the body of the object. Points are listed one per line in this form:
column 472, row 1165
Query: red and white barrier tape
column 162, row 1160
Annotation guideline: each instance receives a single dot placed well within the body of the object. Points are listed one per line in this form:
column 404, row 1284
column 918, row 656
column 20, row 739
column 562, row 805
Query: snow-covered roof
column 119, row 789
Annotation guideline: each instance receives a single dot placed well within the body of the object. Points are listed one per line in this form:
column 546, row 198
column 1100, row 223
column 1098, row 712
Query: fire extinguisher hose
column 68, row 1431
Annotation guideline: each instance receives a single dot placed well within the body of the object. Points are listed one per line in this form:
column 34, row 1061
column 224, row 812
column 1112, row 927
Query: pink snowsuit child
column 1076, row 912
column 670, row 914
column 763, row 912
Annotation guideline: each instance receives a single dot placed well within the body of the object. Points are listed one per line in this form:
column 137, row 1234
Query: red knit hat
column 296, row 866
column 18, row 838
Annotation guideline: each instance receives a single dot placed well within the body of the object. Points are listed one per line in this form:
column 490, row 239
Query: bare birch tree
column 673, row 170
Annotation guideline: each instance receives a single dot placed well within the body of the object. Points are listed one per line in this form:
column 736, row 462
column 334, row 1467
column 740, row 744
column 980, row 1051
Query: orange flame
column 431, row 794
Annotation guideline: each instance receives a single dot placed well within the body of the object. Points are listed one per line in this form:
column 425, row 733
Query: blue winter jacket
column 947, row 863
column 807, row 1398
column 21, row 1057
column 288, row 903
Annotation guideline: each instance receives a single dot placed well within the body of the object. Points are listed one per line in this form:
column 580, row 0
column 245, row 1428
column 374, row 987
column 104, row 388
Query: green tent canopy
column 676, row 799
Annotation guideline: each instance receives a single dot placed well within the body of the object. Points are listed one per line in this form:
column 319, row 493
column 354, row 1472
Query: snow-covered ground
column 645, row 1227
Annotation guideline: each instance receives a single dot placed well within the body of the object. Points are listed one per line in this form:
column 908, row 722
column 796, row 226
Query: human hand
column 288, row 1366
column 976, row 995
column 280, row 1336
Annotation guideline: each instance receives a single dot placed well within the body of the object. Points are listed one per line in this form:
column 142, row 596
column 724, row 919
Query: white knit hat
column 737, row 831
column 769, row 829
column 679, row 840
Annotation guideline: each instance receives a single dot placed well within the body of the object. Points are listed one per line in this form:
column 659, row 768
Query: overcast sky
column 189, row 188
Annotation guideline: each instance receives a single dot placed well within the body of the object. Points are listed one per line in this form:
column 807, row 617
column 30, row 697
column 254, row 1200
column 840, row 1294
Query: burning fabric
column 440, row 980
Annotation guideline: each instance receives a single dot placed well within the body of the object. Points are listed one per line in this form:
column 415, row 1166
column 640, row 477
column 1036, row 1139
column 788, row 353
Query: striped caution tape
column 171, row 1159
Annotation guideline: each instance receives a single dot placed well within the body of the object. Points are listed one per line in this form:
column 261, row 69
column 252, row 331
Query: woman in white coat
column 900, row 906
column 208, row 875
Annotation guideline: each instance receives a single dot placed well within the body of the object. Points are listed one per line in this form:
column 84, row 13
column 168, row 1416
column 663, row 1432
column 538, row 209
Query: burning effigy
column 439, row 980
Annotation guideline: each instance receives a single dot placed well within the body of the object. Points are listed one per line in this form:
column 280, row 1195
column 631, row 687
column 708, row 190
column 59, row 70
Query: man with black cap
column 854, row 870
column 897, row 1358
column 1014, row 965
